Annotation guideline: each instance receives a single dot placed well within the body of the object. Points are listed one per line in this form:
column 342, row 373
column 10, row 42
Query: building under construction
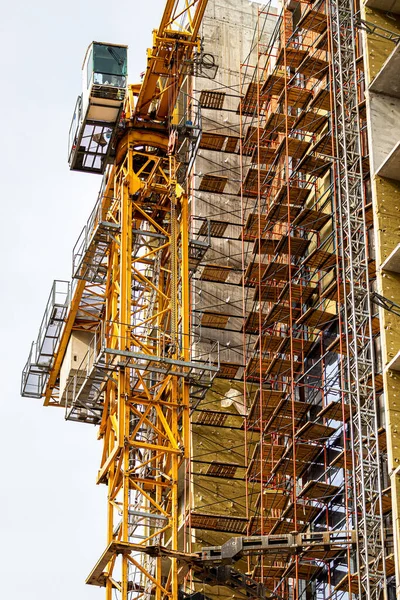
column 232, row 323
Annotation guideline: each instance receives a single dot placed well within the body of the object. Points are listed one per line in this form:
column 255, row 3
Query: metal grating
column 218, row 523
column 209, row 417
column 218, row 469
column 214, row 228
column 211, row 99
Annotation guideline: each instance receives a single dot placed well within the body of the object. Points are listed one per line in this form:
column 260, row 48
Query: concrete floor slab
column 394, row 364
column 385, row 5
column 391, row 165
column 387, row 80
column 392, row 263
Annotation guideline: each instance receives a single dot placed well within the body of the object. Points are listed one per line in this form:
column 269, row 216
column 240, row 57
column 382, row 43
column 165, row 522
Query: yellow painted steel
column 143, row 327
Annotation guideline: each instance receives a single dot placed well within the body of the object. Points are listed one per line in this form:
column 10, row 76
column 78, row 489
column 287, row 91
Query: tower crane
column 113, row 346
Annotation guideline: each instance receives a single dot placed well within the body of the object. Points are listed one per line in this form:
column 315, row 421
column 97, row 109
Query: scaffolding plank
column 256, row 137
column 263, row 155
column 255, row 271
column 316, row 318
column 253, row 223
column 316, row 432
column 213, row 183
column 313, row 20
column 270, row 400
column 212, row 141
column 349, row 583
column 386, row 502
column 279, row 122
column 322, row 100
column 219, row 142
column 297, row 97
column 312, row 219
column 253, row 322
column 210, row 319
column 254, row 182
column 341, row 461
column 322, row 43
column 212, row 99
column 320, row 260
column 210, row 417
column 279, row 271
column 335, row 291
column 218, row 273
column 297, row 345
column 256, row 367
column 298, row 246
column 269, row 293
column 304, row 570
column 305, row 454
column 281, row 420
column 335, row 411
column 311, row 121
column 314, row 165
column 274, row 84
column 319, row 490
column 291, row 57
column 306, row 513
column 323, row 555
column 280, row 313
column 283, row 367
column 271, row 454
column 274, row 499
column 282, row 212
column 228, row 370
column 297, row 195
column 337, row 347
column 293, row 147
column 282, row 527
column 270, row 573
column 231, row 145
column 265, row 246
column 298, row 292
column 269, row 342
column 313, row 66
column 324, row 145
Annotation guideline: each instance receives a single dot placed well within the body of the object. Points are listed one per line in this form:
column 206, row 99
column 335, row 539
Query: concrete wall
column 228, row 30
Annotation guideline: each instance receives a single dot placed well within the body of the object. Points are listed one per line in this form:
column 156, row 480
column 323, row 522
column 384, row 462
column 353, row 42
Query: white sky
column 52, row 514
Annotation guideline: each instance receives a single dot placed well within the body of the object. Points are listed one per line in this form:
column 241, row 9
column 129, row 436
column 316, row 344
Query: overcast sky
column 53, row 516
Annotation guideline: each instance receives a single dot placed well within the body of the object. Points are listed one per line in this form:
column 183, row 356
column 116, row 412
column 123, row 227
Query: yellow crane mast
column 114, row 346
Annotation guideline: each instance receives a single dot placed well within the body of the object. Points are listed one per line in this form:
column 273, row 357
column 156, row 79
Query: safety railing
column 37, row 368
column 91, row 245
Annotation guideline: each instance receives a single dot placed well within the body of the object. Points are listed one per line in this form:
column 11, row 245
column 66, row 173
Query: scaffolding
column 225, row 281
